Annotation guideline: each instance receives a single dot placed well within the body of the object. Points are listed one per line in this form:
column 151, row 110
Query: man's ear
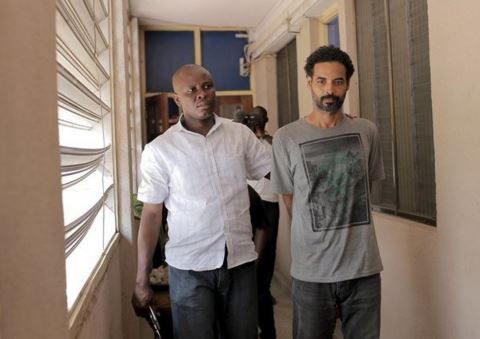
column 309, row 82
column 177, row 101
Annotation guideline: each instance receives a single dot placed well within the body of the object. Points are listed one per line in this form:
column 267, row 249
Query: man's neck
column 260, row 132
column 199, row 126
column 323, row 119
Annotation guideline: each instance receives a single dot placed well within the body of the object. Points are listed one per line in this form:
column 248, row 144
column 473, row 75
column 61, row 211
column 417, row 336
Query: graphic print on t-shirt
column 337, row 182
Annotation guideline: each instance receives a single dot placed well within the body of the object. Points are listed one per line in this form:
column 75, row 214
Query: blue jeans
column 220, row 303
column 315, row 308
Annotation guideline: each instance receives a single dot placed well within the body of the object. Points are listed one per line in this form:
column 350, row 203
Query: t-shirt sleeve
column 154, row 183
column 281, row 178
column 375, row 160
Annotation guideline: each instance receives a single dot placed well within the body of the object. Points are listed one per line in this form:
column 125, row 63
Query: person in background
column 260, row 116
column 260, row 226
column 323, row 166
column 266, row 321
column 198, row 169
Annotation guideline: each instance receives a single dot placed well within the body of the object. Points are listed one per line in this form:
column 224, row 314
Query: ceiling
column 270, row 24
column 217, row 13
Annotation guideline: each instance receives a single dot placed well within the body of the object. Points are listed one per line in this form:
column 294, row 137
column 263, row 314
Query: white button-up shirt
column 262, row 186
column 202, row 181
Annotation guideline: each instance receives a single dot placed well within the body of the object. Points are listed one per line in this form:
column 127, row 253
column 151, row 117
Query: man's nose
column 201, row 93
column 328, row 88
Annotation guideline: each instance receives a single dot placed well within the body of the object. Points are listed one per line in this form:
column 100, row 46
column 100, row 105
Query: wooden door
column 161, row 113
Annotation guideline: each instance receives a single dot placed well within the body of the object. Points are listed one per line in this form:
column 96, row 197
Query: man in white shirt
column 197, row 169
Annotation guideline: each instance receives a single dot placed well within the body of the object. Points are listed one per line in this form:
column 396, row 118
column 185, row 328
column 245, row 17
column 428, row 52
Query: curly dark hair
column 328, row 54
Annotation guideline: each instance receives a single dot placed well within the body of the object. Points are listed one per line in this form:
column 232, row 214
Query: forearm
column 260, row 242
column 147, row 239
column 288, row 201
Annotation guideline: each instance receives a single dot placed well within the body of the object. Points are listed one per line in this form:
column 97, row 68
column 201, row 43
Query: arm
column 260, row 240
column 288, row 199
column 148, row 232
column 258, row 221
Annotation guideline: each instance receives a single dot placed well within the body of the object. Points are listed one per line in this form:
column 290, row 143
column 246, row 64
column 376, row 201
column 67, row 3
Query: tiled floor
column 282, row 310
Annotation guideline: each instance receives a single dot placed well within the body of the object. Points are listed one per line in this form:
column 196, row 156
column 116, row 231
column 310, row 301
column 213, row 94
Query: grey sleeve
column 281, row 177
column 375, row 159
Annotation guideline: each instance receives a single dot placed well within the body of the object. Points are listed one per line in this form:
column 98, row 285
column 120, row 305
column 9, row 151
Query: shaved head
column 194, row 93
column 185, row 70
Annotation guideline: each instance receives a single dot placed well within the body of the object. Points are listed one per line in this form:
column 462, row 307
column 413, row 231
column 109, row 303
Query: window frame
column 394, row 114
column 84, row 298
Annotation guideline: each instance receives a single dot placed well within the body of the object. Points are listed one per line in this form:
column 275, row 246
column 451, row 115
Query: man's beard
column 330, row 107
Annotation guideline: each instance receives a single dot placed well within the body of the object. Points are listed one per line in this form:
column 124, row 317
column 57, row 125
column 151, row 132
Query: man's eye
column 339, row 82
column 207, row 86
column 189, row 91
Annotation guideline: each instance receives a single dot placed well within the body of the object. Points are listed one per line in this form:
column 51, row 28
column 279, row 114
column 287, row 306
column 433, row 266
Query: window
column 287, row 86
column 165, row 51
column 394, row 84
column 225, row 69
column 333, row 32
column 85, row 132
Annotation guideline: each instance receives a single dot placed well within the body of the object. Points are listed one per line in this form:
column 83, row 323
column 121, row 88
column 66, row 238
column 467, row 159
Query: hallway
column 431, row 273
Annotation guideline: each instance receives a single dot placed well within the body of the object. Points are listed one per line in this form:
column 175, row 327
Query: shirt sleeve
column 375, row 159
column 281, row 178
column 154, row 184
column 257, row 156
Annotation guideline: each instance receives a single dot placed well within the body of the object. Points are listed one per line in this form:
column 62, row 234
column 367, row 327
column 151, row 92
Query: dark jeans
column 220, row 303
column 314, row 312
column 265, row 269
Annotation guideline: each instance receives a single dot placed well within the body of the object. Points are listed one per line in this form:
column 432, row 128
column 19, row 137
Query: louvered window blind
column 85, row 131
column 395, row 93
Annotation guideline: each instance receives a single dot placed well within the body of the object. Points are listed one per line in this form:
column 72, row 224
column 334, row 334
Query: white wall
column 32, row 260
column 265, row 87
column 104, row 319
column 307, row 41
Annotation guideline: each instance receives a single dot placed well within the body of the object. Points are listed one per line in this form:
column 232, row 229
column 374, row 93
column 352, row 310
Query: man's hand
column 150, row 223
column 141, row 298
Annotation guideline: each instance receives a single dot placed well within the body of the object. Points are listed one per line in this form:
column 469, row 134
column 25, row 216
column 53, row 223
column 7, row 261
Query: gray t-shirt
column 328, row 171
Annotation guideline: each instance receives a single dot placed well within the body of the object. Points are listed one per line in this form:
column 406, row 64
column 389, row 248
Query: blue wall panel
column 334, row 33
column 164, row 52
column 221, row 52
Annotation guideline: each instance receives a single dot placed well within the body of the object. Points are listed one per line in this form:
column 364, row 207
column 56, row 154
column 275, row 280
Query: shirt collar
column 180, row 128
